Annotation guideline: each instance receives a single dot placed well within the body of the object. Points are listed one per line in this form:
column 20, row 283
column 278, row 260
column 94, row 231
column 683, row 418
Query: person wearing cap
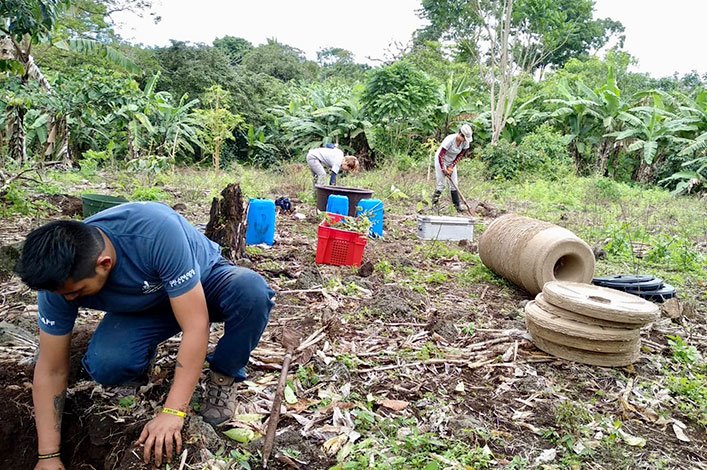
column 333, row 158
column 452, row 149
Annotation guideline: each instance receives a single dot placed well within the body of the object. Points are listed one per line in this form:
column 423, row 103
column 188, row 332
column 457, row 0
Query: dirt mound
column 70, row 206
column 393, row 302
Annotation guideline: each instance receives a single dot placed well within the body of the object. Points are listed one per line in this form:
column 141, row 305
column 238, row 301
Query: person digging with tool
column 155, row 276
column 333, row 158
column 452, row 149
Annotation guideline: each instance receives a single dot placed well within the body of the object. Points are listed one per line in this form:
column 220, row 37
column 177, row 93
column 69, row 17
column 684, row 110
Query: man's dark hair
column 59, row 251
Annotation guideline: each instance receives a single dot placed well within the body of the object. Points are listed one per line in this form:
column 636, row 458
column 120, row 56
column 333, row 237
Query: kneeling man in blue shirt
column 155, row 276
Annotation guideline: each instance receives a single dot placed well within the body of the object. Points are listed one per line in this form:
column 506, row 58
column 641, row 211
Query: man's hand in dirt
column 162, row 432
column 49, row 464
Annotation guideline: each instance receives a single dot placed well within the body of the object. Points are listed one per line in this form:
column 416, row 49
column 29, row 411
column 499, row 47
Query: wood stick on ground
column 413, row 364
column 183, row 461
column 300, row 291
column 290, row 340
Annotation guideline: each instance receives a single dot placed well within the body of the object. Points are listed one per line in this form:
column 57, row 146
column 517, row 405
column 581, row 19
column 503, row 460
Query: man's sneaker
column 220, row 399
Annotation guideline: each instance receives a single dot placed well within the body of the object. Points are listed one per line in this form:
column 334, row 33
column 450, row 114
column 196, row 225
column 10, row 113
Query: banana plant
column 261, row 149
column 609, row 104
column 318, row 114
column 649, row 130
column 575, row 112
column 694, row 111
column 693, row 176
column 181, row 129
column 591, row 119
column 22, row 25
column 456, row 93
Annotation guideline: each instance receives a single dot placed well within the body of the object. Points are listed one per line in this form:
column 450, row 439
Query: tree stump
column 227, row 224
column 9, row 254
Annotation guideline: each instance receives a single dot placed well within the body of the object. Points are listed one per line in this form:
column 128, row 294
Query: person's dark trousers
column 124, row 343
column 456, row 201
column 435, row 197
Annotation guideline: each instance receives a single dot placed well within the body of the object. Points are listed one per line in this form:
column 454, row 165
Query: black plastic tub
column 354, row 195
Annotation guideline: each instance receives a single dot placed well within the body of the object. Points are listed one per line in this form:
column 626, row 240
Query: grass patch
column 441, row 251
column 687, row 380
column 397, row 444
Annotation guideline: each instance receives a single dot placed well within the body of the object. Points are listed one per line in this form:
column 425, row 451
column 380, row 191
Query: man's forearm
column 190, row 360
column 459, row 157
column 48, row 393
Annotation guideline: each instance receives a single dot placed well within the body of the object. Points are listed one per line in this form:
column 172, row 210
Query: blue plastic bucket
column 260, row 222
column 338, row 204
column 373, row 209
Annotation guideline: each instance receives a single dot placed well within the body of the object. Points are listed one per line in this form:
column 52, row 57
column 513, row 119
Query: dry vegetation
column 419, row 359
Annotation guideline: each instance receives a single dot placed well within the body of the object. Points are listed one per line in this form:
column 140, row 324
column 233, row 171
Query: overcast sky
column 665, row 36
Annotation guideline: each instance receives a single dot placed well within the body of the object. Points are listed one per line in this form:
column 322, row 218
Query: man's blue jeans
column 124, row 343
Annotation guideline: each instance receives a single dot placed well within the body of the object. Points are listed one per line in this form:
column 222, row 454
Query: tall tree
column 334, row 55
column 193, row 68
column 556, row 29
column 340, row 63
column 235, row 48
column 563, row 28
column 279, row 60
column 508, row 38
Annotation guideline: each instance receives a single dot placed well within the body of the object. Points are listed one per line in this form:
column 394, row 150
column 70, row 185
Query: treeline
column 72, row 91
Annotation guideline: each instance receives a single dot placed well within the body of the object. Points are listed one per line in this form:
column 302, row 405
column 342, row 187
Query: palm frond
column 699, row 144
column 88, row 46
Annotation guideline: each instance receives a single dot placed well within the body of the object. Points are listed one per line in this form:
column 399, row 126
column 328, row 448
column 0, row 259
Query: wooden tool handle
column 275, row 411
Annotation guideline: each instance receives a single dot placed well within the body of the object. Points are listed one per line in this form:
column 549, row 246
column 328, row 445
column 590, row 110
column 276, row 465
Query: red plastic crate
column 339, row 247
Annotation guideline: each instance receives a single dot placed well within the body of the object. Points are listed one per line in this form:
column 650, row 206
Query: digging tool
column 290, row 340
column 468, row 207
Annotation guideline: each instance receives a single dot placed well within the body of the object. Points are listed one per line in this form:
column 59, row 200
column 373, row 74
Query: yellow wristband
column 173, row 412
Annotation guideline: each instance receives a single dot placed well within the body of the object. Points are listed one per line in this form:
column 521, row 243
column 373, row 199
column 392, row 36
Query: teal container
column 260, row 222
column 373, row 209
column 338, row 205
column 95, row 203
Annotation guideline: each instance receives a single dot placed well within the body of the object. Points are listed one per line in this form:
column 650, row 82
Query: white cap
column 466, row 132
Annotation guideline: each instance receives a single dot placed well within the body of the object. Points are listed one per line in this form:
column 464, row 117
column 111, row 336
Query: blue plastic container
column 261, row 222
column 373, row 209
column 337, row 204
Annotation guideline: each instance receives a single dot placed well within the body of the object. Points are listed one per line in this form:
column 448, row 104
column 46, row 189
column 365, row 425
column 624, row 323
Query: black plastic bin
column 354, row 195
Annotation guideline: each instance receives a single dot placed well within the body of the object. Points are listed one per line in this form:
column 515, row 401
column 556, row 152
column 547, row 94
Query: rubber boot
column 455, row 201
column 435, row 197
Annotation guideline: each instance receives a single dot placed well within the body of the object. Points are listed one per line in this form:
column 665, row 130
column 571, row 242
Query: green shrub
column 15, row 201
column 148, row 194
column 543, row 153
column 400, row 101
column 501, row 161
column 605, row 189
column 404, row 161
column 91, row 160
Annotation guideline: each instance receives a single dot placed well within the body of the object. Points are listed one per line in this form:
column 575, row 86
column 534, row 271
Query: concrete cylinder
column 530, row 252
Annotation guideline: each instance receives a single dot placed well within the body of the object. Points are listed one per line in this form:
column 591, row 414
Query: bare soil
column 455, row 352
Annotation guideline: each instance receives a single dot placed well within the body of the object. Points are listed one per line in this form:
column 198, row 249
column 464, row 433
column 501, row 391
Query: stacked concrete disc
column 588, row 324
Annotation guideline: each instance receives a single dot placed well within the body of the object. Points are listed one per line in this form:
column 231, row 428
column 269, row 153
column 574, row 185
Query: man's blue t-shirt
column 159, row 255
